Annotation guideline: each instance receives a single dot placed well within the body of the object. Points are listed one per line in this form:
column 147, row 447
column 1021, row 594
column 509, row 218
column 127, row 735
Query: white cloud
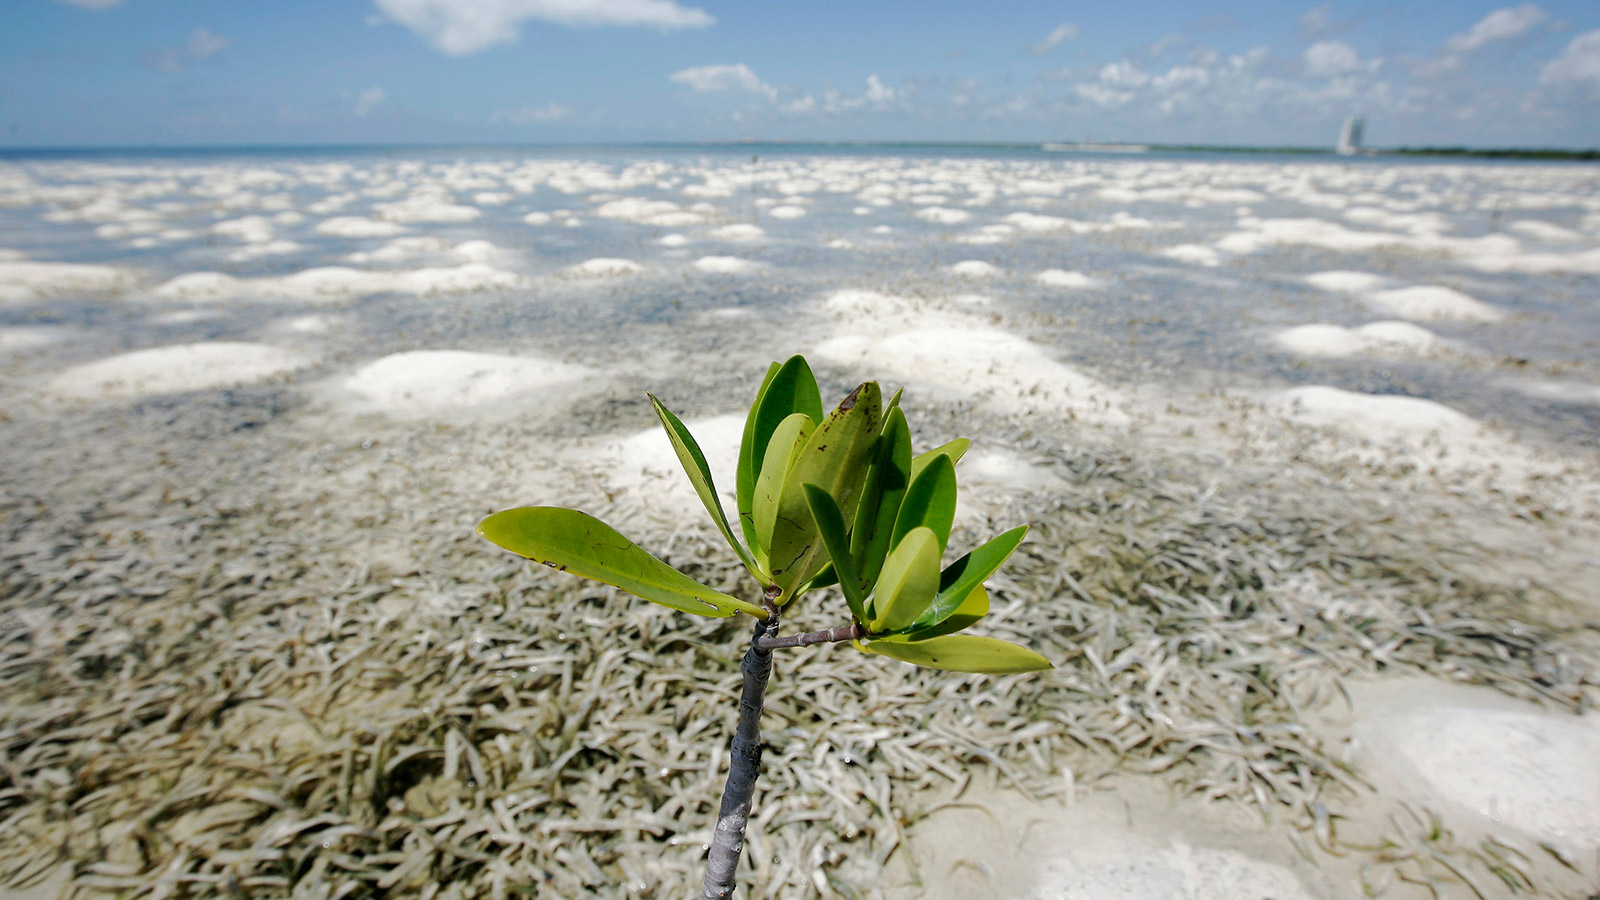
column 1326, row 59
column 725, row 77
column 1123, row 74
column 91, row 4
column 464, row 27
column 1316, row 20
column 368, row 100
column 1579, row 63
column 205, row 42
column 1497, row 26
column 167, row 60
column 1063, row 32
column 877, row 94
column 529, row 115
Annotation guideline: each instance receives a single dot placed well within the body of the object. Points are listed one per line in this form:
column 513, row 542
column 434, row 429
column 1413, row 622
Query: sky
column 216, row 72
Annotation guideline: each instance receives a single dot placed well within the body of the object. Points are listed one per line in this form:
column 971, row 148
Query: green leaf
column 789, row 390
column 834, row 458
column 909, row 580
column 970, row 571
column 955, row 450
column 576, row 542
column 694, row 463
column 749, row 464
column 830, row 523
column 894, row 403
column 787, row 439
column 958, row 653
column 973, row 608
column 881, row 493
column 930, row 502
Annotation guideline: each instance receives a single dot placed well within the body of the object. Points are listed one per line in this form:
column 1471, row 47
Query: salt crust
column 357, row 227
column 424, row 382
column 603, row 267
column 723, row 265
column 1392, row 338
column 1484, row 759
column 338, row 283
column 1427, row 303
column 170, row 370
column 25, row 282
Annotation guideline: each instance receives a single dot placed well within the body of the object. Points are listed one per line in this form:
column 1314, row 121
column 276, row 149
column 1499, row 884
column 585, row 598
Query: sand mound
column 1340, row 281
column 1064, row 279
column 25, row 282
column 603, row 267
column 974, row 268
column 1427, row 303
column 1392, row 338
column 741, row 231
column 1196, row 254
column 723, row 265
column 420, row 382
column 1373, row 415
column 357, row 227
column 339, row 283
column 645, row 465
column 171, row 370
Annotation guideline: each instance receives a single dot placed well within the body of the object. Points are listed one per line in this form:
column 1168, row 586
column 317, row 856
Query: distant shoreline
column 1086, row 148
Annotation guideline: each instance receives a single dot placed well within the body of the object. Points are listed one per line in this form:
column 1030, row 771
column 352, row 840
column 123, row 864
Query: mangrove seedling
column 823, row 500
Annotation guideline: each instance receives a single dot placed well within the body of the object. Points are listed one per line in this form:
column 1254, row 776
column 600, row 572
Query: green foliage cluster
column 823, row 500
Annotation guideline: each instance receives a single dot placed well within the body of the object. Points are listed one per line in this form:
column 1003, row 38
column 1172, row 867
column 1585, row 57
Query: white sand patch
column 537, row 218
column 426, row 208
column 882, row 229
column 1345, row 282
column 839, row 244
column 1063, row 279
column 1036, row 222
column 1539, row 263
column 1545, row 231
column 312, row 324
column 645, row 465
column 787, row 211
column 357, row 227
column 739, row 231
column 1197, row 254
column 974, row 268
column 478, row 251
column 184, row 317
column 25, row 282
column 723, row 265
column 853, row 304
column 674, row 240
column 663, row 213
column 423, row 382
column 1389, row 338
column 400, row 250
column 276, row 247
column 250, row 229
column 1379, row 416
column 339, row 283
column 603, row 267
column 22, row 337
column 943, row 216
column 1428, row 303
column 972, row 360
column 493, row 198
column 170, row 370
column 1484, row 759
column 9, row 255
column 998, row 466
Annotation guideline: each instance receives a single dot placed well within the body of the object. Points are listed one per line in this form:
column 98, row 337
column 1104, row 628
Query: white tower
column 1350, row 136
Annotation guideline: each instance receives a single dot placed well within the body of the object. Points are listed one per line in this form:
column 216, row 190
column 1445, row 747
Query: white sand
column 170, row 370
column 787, row 211
column 537, row 218
column 739, row 231
column 26, row 282
column 357, row 227
column 1390, row 338
column 1428, row 303
column 942, row 216
column 1545, row 231
column 330, row 283
column 723, row 265
column 674, row 240
column 1560, row 391
column 1487, row 761
column 974, row 268
column 250, row 229
column 1340, row 281
column 645, row 465
column 1197, row 254
column 603, row 267
column 663, row 213
column 423, row 382
column 22, row 337
column 426, row 208
column 1063, row 279
column 1381, row 416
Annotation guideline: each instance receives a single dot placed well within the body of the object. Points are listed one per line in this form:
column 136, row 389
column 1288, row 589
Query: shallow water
column 237, row 506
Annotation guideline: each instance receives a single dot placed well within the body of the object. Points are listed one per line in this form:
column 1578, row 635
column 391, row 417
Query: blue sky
column 141, row 72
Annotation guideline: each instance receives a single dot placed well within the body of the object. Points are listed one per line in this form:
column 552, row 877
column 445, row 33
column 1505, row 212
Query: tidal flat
column 1308, row 448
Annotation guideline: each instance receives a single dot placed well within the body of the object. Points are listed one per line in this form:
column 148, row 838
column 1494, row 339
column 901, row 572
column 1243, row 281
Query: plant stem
column 743, row 766
column 829, row 636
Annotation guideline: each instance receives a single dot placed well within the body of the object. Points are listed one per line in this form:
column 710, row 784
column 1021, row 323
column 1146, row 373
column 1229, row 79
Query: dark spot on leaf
column 821, row 447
